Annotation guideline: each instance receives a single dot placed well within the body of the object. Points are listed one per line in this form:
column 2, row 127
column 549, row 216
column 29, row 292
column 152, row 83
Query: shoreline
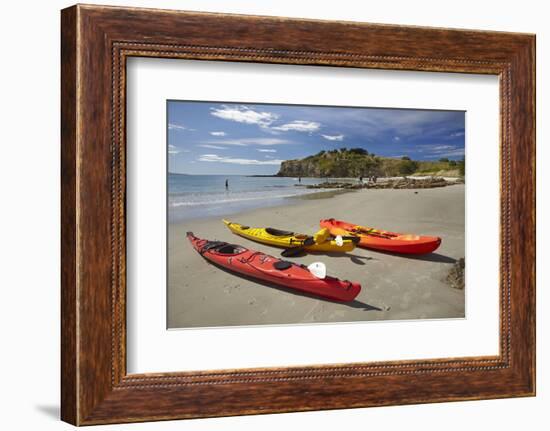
column 319, row 190
column 394, row 287
column 414, row 175
column 311, row 194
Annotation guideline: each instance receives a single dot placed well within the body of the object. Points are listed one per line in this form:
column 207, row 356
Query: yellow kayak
column 321, row 241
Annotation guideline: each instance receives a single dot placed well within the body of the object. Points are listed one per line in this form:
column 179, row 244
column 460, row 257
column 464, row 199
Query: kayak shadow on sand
column 434, row 257
column 355, row 258
column 430, row 257
column 353, row 304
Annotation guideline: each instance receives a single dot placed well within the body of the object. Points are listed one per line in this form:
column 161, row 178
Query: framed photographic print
column 279, row 165
column 321, row 214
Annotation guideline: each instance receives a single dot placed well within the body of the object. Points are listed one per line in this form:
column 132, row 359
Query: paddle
column 354, row 239
column 300, row 250
column 372, row 232
column 293, row 252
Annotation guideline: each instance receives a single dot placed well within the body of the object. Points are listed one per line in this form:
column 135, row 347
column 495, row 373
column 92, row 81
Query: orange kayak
column 383, row 240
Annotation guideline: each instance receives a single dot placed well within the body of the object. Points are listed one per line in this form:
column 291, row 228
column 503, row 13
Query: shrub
column 407, row 167
column 360, row 151
column 462, row 167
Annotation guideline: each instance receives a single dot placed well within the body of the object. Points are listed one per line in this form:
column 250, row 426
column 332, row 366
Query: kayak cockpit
column 223, row 248
column 231, row 249
column 278, row 232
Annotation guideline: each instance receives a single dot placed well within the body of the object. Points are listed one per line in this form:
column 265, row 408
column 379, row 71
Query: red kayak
column 260, row 266
column 383, row 240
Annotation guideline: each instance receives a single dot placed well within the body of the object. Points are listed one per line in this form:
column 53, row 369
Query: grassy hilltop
column 358, row 162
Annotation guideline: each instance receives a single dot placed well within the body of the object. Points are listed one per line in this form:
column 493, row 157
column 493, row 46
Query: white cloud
column 437, row 149
column 264, row 119
column 179, row 127
column 453, row 153
column 214, row 147
column 443, row 151
column 243, row 114
column 235, row 161
column 333, row 137
column 250, row 141
column 172, row 149
column 262, row 150
column 396, row 138
column 380, row 124
column 298, row 126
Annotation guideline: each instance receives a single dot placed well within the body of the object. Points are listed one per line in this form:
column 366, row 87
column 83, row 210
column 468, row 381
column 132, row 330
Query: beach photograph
column 298, row 214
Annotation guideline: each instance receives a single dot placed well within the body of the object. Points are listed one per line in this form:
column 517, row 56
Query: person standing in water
column 226, row 184
column 300, row 180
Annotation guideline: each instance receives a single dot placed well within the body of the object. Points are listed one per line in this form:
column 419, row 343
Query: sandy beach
column 393, row 287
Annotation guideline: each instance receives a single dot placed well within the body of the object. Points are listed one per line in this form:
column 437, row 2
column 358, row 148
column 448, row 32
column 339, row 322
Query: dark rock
column 401, row 183
column 455, row 278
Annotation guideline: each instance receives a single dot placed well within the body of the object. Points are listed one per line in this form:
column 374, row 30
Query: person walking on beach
column 226, row 184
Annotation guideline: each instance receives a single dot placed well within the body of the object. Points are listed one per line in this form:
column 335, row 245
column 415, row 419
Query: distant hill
column 358, row 162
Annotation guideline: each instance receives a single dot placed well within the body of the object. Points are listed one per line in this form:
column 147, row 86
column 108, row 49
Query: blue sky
column 249, row 139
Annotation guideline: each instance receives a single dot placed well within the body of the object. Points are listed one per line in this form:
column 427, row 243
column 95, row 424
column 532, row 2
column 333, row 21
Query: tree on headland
column 444, row 160
column 360, row 151
column 358, row 162
column 407, row 166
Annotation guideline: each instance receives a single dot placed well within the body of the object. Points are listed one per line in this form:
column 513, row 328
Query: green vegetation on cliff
column 358, row 162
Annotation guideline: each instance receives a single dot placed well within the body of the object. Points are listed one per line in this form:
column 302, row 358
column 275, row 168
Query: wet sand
column 393, row 287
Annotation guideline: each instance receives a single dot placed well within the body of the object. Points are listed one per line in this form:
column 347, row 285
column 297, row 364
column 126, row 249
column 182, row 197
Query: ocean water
column 200, row 196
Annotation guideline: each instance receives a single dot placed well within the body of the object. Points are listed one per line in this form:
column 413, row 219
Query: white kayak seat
column 318, row 269
column 339, row 240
